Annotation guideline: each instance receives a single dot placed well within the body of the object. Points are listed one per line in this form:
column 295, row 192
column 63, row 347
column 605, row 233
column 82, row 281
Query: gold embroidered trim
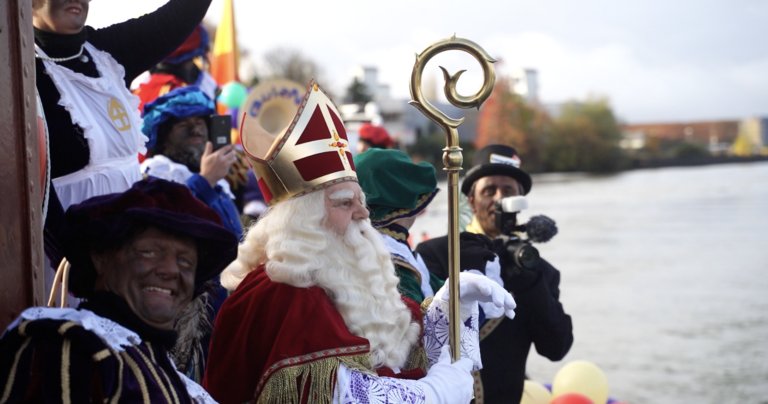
column 12, row 372
column 417, row 359
column 66, row 326
column 23, row 328
column 101, row 355
column 423, row 200
column 170, row 385
column 119, row 391
column 394, row 234
column 139, row 376
column 478, row 388
column 489, row 326
column 314, row 374
column 398, row 261
column 66, row 395
column 151, row 351
column 425, row 304
column 152, row 370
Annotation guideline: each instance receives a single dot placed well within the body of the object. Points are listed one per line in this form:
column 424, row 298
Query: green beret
column 395, row 187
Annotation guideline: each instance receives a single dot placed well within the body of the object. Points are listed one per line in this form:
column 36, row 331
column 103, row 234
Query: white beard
column 355, row 270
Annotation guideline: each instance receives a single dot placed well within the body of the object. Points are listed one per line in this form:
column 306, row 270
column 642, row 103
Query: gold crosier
column 452, row 158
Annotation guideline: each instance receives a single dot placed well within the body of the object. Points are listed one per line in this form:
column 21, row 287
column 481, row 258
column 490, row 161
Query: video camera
column 539, row 229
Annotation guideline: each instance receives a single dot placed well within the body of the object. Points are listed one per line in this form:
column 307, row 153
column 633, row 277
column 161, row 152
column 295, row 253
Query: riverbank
column 663, row 271
column 693, row 161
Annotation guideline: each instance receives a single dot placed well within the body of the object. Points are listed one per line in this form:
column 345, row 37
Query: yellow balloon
column 535, row 393
column 582, row 377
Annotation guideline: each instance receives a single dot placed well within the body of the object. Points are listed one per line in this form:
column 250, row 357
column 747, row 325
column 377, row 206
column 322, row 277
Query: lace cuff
column 112, row 333
column 353, row 386
column 196, row 392
column 436, row 332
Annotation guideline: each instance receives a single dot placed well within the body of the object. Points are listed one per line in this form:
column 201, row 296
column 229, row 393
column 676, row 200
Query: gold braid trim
column 139, row 376
column 101, row 355
column 171, row 387
column 425, row 304
column 65, row 327
column 394, row 234
column 14, row 367
column 66, row 353
column 485, row 330
column 119, row 390
column 317, row 378
column 154, row 373
column 489, row 327
column 23, row 328
column 390, row 217
column 417, row 359
column 478, row 388
column 399, row 261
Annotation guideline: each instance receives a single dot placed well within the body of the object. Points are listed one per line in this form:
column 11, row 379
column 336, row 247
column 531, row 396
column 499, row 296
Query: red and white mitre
column 312, row 153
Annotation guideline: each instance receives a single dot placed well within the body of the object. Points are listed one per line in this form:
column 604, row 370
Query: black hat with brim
column 170, row 207
column 496, row 160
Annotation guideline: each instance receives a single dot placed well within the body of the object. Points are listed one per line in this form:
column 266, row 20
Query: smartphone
column 220, row 131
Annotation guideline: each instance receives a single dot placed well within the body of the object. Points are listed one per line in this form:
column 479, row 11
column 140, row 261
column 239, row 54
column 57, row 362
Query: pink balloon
column 571, row 398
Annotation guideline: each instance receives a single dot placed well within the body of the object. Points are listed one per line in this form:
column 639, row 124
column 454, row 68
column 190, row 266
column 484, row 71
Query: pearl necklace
column 83, row 58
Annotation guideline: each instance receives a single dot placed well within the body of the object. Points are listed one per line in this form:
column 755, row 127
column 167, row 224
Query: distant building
column 525, row 82
column 403, row 121
column 369, row 77
column 752, row 139
column 717, row 136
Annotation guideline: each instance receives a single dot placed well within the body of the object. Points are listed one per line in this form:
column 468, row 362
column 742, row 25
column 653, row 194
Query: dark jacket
column 539, row 320
column 59, row 357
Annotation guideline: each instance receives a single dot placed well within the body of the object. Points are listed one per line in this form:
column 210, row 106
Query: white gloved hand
column 475, row 287
column 492, row 271
column 448, row 382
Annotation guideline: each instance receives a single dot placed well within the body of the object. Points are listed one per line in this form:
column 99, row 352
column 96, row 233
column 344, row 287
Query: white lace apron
column 109, row 116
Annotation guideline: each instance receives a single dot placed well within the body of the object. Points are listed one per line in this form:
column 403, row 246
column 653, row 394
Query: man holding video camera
column 534, row 282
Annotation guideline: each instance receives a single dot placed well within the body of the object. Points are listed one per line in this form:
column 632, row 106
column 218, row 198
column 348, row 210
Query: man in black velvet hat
column 138, row 258
column 540, row 320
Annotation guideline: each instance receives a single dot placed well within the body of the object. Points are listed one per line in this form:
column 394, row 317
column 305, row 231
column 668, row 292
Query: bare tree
column 292, row 64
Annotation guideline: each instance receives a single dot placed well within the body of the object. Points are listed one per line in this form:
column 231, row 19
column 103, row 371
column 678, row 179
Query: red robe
column 280, row 343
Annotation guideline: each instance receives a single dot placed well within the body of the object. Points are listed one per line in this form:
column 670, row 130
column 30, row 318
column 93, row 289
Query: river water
column 664, row 272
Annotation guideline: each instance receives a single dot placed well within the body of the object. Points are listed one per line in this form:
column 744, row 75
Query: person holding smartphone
column 180, row 126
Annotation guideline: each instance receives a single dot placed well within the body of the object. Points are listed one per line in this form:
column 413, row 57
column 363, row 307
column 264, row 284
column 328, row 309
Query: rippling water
column 664, row 273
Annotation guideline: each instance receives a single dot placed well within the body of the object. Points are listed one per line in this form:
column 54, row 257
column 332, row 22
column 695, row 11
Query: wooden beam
column 21, row 184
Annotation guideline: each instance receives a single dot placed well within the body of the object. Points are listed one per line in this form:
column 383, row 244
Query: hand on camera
column 475, row 251
column 516, row 279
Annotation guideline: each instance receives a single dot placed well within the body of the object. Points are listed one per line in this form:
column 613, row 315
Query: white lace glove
column 476, row 287
column 448, row 382
column 445, row 382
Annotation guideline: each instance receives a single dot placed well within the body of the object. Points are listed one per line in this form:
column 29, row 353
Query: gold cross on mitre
column 311, row 154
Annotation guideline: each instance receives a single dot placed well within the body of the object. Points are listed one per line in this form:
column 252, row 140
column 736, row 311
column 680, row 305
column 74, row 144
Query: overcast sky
column 655, row 60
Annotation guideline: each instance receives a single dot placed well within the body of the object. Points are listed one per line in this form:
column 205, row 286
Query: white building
column 525, row 82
